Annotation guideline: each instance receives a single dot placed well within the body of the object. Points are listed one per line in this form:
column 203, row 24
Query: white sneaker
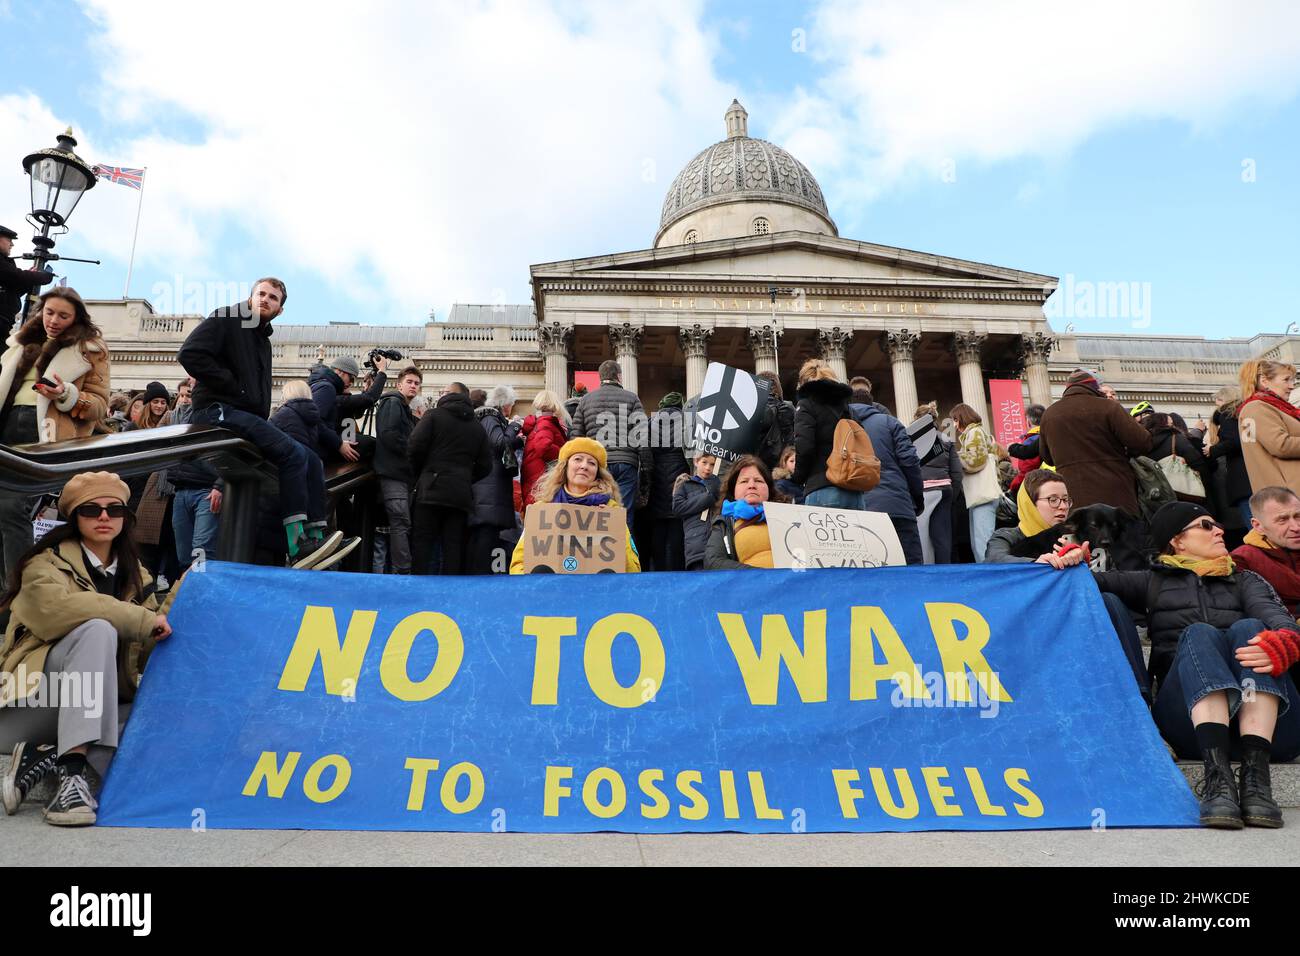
column 312, row 552
column 335, row 559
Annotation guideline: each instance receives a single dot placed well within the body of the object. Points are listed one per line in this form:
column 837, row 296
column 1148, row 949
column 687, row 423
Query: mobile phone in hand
column 46, row 382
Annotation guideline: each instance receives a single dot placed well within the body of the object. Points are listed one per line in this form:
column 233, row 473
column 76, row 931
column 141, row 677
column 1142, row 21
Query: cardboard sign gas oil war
column 807, row 536
column 574, row 539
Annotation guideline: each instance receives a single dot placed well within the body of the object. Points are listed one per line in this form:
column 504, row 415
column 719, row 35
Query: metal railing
column 45, row 468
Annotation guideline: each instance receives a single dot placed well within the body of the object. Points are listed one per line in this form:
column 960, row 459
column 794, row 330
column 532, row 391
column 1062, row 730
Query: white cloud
column 909, row 86
column 443, row 147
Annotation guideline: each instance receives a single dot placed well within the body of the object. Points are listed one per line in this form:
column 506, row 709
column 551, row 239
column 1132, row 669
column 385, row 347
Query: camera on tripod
column 391, row 354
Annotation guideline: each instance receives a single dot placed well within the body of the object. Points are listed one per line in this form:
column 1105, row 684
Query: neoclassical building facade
column 747, row 268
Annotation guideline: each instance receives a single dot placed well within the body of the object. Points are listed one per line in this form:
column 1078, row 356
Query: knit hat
column 1081, row 376
column 346, row 363
column 155, row 390
column 1171, row 519
column 588, row 446
column 90, row 485
column 672, row 400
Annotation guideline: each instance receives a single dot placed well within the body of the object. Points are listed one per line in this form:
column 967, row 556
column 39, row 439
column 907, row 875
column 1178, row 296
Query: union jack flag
column 121, row 175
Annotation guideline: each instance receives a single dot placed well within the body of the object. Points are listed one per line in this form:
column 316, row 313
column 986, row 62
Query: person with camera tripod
column 329, row 389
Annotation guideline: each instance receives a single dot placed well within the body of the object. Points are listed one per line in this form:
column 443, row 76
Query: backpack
column 852, row 463
column 778, row 435
column 1153, row 488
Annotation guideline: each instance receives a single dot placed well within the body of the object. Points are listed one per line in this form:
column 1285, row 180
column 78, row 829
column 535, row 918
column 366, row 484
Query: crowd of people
column 1191, row 533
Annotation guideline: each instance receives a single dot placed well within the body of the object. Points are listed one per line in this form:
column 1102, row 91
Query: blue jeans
column 626, row 476
column 833, row 497
column 193, row 524
column 289, row 457
column 983, row 519
column 315, row 486
column 1205, row 663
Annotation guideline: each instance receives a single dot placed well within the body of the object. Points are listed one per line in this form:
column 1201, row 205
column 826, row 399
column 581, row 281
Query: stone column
column 694, row 340
column 966, row 346
column 554, row 340
column 626, row 340
column 763, row 342
column 1035, row 348
column 899, row 343
column 833, row 344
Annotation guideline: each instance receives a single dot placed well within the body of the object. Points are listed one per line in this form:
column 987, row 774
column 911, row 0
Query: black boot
column 1258, row 808
column 1218, row 792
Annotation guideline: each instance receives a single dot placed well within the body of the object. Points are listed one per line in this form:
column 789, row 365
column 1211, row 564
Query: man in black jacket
column 229, row 356
column 668, row 438
column 14, row 282
column 448, row 451
column 615, row 417
column 329, row 390
column 393, row 426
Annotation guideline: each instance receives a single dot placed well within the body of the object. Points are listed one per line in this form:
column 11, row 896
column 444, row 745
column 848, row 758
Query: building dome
column 740, row 169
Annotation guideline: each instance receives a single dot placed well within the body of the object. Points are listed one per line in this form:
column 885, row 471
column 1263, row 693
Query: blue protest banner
column 920, row 698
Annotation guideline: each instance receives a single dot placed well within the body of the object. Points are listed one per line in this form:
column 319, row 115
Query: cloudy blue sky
column 395, row 157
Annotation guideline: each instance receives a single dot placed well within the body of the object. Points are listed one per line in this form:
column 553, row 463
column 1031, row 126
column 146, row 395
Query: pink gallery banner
column 1007, row 407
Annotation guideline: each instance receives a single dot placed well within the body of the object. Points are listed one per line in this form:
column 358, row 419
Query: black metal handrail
column 36, row 469
column 32, row 469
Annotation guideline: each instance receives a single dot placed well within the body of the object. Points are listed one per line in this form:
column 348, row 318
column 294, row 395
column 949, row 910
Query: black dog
column 1117, row 541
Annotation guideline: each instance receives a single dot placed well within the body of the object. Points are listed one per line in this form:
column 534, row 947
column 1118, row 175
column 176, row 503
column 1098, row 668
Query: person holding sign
column 739, row 537
column 85, row 617
column 580, row 476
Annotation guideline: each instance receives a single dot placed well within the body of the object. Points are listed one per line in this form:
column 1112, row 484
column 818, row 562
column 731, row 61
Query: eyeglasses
column 91, row 510
column 1205, row 524
column 1058, row 501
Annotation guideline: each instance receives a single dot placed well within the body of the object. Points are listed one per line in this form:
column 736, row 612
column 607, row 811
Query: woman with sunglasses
column 1221, row 644
column 82, row 605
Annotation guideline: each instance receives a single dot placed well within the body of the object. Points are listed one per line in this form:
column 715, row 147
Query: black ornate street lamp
column 58, row 178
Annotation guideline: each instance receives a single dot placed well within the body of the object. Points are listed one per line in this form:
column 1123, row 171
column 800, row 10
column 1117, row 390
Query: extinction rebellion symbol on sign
column 729, row 412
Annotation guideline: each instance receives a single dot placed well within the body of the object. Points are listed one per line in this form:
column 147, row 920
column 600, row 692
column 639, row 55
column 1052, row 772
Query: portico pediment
column 792, row 257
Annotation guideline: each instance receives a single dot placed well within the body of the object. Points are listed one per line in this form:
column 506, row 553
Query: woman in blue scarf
column 580, row 476
column 739, row 537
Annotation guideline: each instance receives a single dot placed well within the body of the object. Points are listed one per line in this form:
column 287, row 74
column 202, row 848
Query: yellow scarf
column 1031, row 522
column 1219, row 567
column 1258, row 540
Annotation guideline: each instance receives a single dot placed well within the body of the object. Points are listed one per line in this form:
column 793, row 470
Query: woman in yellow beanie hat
column 83, row 604
column 580, row 476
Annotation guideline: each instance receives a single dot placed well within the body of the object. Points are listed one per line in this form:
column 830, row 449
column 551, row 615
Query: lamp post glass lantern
column 58, row 177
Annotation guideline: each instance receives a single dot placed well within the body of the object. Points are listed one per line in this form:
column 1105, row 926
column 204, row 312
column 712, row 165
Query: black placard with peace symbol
column 727, row 417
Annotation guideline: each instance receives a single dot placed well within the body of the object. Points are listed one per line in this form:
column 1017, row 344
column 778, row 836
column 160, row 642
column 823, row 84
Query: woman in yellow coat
column 580, row 476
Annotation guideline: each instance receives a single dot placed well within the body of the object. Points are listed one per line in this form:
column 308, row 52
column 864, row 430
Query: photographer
column 329, row 385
